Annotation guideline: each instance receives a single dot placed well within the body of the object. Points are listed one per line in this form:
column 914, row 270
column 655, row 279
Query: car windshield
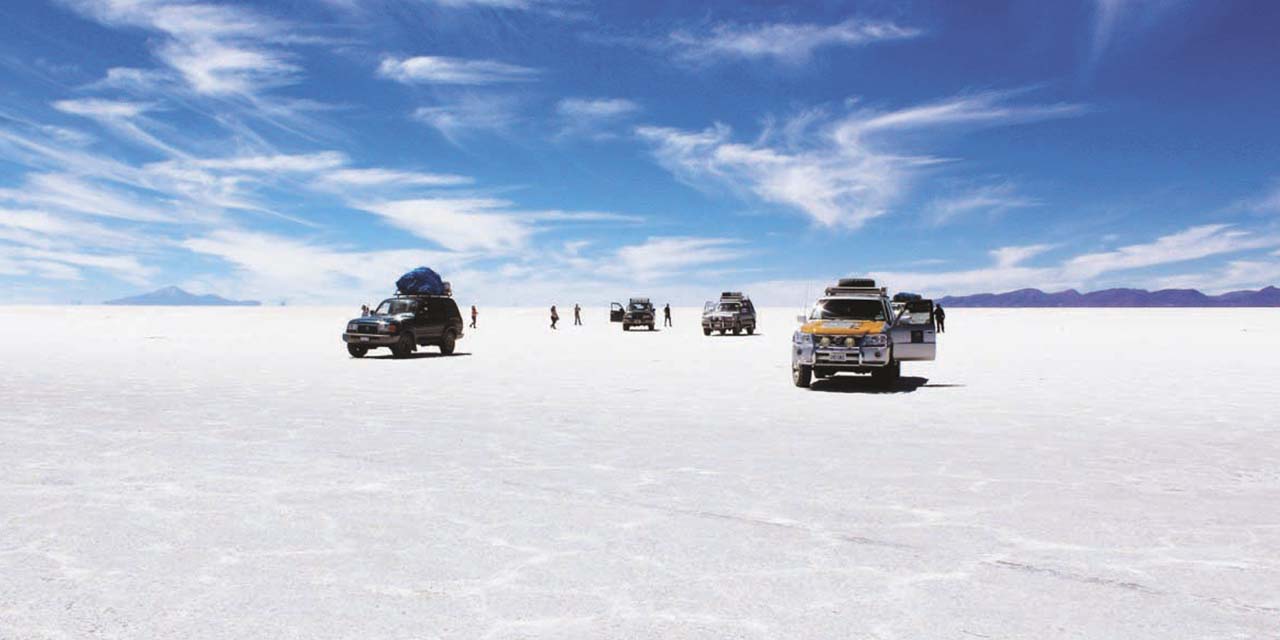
column 392, row 307
column 848, row 309
column 639, row 306
column 730, row 306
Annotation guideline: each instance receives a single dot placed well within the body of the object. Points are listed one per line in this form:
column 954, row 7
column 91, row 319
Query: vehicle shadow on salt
column 419, row 356
column 865, row 384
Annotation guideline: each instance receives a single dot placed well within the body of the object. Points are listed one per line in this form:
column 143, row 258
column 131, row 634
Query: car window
column 849, row 309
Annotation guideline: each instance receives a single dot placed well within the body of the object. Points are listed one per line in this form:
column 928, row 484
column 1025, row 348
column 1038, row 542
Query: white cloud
column 596, row 108
column 63, row 265
column 282, row 163
column 1083, row 271
column 446, row 70
column 98, row 108
column 484, row 225
column 1006, row 257
column 468, row 114
column 791, row 43
column 992, row 199
column 840, row 173
column 659, row 257
column 270, row 266
column 69, row 193
column 216, row 49
column 458, row 224
column 1235, row 275
column 389, row 178
column 593, row 117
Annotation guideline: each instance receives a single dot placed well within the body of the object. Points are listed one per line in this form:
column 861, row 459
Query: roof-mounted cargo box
column 856, row 283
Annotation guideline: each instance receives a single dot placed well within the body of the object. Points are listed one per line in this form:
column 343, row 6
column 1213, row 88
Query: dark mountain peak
column 1117, row 297
column 173, row 296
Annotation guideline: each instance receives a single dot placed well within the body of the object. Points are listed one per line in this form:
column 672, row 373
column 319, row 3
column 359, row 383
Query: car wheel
column 751, row 330
column 626, row 327
column 651, row 327
column 404, row 347
column 706, row 332
column 448, row 342
column 357, row 351
column 737, row 331
column 722, row 332
column 802, row 375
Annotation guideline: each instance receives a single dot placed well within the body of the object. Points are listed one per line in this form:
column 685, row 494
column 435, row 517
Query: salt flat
column 231, row 473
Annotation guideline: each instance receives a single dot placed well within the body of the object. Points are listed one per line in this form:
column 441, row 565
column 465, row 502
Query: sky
column 539, row 151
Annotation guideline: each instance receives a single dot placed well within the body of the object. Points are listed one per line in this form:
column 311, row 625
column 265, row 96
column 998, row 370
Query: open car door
column 913, row 333
column 616, row 312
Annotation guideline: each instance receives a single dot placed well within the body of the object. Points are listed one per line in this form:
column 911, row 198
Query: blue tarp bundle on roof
column 421, row 281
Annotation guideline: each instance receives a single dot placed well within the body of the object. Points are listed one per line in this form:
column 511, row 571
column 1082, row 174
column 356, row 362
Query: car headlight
column 876, row 340
column 351, row 327
column 850, row 342
column 826, row 341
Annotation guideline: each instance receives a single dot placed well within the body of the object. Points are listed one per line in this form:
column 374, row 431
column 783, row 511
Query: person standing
column 555, row 317
column 666, row 315
column 364, row 311
column 577, row 315
column 474, row 315
column 939, row 319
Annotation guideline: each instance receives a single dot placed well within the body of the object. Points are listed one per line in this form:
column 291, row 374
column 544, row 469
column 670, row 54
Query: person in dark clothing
column 577, row 315
column 666, row 315
column 939, row 319
column 555, row 317
column 474, row 315
column 364, row 310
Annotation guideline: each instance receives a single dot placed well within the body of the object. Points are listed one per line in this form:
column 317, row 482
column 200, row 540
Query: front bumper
column 722, row 323
column 371, row 339
column 840, row 358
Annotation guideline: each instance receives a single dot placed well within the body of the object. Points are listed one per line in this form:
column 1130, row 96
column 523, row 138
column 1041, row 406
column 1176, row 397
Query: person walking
column 577, row 315
column 666, row 315
column 474, row 315
column 555, row 317
column 939, row 319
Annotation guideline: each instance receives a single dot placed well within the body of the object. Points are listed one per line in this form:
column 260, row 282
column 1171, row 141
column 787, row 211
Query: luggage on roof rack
column 423, row 282
column 856, row 283
column 903, row 296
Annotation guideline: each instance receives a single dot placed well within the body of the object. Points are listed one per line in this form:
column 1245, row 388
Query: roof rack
column 733, row 295
column 448, row 292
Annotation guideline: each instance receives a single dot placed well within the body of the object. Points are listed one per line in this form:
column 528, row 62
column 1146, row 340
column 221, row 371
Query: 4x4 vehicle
column 404, row 323
column 733, row 312
column 637, row 313
column 856, row 328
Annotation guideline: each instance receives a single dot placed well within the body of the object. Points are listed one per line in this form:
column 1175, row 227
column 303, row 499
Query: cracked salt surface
column 231, row 473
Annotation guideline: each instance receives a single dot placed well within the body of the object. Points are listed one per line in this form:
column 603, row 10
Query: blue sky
column 567, row 150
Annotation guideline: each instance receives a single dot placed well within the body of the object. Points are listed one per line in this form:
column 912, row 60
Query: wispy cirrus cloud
column 840, row 172
column 989, row 199
column 487, row 225
column 786, row 42
column 1009, row 269
column 593, row 117
column 217, row 49
column 456, row 71
column 470, row 114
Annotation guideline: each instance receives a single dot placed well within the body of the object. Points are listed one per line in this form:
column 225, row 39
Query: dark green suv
column 403, row 324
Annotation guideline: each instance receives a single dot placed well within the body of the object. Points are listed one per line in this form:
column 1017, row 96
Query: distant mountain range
column 176, row 297
column 1268, row 297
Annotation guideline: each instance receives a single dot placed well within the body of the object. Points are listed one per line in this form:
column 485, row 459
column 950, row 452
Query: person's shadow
column 866, row 384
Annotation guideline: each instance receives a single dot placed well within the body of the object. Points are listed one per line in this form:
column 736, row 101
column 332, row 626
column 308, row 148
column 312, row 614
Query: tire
column 751, row 330
column 651, row 327
column 404, row 347
column 626, row 327
column 706, row 331
column 722, row 332
column 802, row 375
column 448, row 342
column 357, row 351
column 737, row 331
